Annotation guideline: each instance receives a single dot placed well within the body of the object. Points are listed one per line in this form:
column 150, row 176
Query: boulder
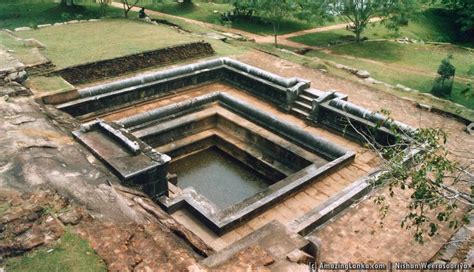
column 373, row 80
column 423, row 106
column 470, row 129
column 362, row 74
column 73, row 22
column 22, row 76
column 33, row 43
column 43, row 26
column 71, row 217
column 299, row 256
column 23, row 28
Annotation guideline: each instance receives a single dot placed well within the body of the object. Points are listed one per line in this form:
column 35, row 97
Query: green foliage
column 33, row 14
column 427, row 176
column 465, row 12
column 443, row 84
column 358, row 13
column 70, row 253
column 277, row 11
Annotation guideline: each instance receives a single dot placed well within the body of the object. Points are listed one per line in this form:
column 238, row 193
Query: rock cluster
column 12, row 69
column 358, row 73
column 28, row 221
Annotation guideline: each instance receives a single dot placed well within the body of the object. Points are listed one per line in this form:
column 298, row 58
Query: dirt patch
column 115, row 67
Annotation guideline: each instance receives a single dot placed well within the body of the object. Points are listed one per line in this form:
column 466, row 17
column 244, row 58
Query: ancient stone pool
column 227, row 148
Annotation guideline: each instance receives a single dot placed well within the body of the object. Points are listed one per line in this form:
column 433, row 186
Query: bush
column 442, row 88
column 443, row 84
column 471, row 70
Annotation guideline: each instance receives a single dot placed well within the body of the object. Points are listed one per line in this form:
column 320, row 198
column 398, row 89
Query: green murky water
column 218, row 176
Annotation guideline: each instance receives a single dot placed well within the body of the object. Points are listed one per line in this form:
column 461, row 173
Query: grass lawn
column 317, row 63
column 21, row 52
column 210, row 12
column 70, row 45
column 48, row 84
column 70, row 253
column 31, row 13
column 432, row 25
column 407, row 64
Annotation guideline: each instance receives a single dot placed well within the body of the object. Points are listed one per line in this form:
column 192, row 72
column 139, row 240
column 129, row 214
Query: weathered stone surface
column 23, row 28
column 362, row 74
column 13, row 89
column 128, row 246
column 251, row 259
column 424, row 106
column 72, row 217
column 33, row 43
column 44, row 25
column 299, row 256
column 470, row 129
column 25, row 225
column 403, row 88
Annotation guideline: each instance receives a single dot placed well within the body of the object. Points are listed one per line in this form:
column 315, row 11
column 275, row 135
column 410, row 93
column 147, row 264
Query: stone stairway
column 302, row 105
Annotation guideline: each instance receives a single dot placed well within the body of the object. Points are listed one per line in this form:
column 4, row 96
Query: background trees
column 128, row 5
column 465, row 11
column 358, row 13
column 275, row 11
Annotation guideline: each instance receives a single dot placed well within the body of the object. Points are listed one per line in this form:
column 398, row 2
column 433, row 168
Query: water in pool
column 218, row 176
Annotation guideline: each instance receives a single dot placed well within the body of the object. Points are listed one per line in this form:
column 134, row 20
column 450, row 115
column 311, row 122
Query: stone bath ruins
column 209, row 151
column 144, row 128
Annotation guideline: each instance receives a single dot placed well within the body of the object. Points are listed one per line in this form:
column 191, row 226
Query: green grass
column 396, row 60
column 35, row 13
column 70, row 253
column 423, row 57
column 433, row 25
column 210, row 13
column 70, row 45
column 201, row 11
column 49, row 84
column 318, row 63
column 21, row 52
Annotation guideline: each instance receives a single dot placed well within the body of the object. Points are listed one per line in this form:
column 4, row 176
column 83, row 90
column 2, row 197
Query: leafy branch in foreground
column 434, row 180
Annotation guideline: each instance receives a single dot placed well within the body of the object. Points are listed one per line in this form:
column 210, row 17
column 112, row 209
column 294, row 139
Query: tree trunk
column 275, row 33
column 358, row 33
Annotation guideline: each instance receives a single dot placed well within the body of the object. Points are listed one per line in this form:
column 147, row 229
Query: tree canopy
column 358, row 13
column 275, row 11
column 465, row 11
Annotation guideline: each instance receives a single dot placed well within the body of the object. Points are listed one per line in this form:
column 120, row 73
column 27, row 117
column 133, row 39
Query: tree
column 358, row 13
column 67, row 2
column 465, row 12
column 103, row 4
column 128, row 5
column 444, row 82
column 437, row 184
column 275, row 11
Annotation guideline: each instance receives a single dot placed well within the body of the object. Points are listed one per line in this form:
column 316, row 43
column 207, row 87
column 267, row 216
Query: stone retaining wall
column 114, row 67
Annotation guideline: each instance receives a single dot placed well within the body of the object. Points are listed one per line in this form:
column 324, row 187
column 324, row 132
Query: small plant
column 471, row 70
column 443, row 84
column 65, row 16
